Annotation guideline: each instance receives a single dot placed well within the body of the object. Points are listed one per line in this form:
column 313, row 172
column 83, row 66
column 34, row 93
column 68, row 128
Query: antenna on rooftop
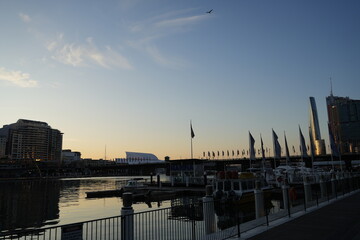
column 331, row 88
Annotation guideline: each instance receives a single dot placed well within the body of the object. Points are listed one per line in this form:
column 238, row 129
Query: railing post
column 307, row 190
column 285, row 193
column 259, row 200
column 172, row 181
column 192, row 207
column 351, row 185
column 333, row 185
column 158, row 180
column 209, row 211
column 127, row 218
column 323, row 188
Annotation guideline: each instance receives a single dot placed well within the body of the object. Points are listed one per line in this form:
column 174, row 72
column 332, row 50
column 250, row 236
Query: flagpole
column 191, row 148
column 192, row 135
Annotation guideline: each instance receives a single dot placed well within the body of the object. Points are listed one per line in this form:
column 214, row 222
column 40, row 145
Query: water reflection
column 39, row 203
column 26, row 204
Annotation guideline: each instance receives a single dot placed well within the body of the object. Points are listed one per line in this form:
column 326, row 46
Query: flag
column 262, row 149
column 333, row 146
column 192, row 131
column 287, row 151
column 251, row 147
column 302, row 144
column 277, row 148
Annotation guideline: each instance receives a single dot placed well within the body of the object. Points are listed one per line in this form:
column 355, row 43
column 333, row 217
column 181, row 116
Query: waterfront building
column 138, row 158
column 2, row 146
column 318, row 144
column 32, row 140
column 344, row 122
column 69, row 156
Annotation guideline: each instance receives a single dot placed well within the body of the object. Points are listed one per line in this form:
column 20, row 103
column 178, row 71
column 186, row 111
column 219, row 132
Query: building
column 69, row 156
column 318, row 144
column 2, row 146
column 32, row 140
column 344, row 122
column 138, row 158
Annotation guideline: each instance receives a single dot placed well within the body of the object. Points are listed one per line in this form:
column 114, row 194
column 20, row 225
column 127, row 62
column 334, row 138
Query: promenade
column 337, row 220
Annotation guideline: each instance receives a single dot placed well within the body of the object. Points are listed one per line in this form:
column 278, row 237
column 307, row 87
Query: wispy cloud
column 147, row 34
column 181, row 21
column 86, row 53
column 163, row 60
column 24, row 17
column 17, row 78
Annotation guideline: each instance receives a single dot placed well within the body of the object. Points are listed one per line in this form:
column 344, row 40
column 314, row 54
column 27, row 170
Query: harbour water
column 40, row 203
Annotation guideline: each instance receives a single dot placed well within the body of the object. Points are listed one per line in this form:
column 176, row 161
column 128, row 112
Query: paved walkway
column 338, row 220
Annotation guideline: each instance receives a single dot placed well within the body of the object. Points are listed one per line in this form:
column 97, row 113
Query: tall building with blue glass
column 344, row 122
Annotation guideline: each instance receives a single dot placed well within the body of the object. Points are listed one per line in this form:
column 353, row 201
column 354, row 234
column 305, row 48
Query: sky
column 129, row 75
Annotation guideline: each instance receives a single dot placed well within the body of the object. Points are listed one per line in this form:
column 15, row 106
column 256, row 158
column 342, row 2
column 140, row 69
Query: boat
column 238, row 186
column 134, row 185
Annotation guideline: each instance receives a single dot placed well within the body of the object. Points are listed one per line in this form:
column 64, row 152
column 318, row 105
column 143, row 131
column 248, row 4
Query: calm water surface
column 38, row 203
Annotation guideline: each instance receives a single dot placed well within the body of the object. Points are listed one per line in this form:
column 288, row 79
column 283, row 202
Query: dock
column 337, row 220
column 149, row 192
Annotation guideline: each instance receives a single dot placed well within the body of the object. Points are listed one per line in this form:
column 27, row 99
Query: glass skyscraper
column 318, row 144
column 344, row 122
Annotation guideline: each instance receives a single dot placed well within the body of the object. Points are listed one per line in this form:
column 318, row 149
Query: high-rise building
column 32, row 140
column 344, row 122
column 318, row 144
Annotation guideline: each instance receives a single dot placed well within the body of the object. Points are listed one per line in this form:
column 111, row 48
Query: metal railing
column 197, row 220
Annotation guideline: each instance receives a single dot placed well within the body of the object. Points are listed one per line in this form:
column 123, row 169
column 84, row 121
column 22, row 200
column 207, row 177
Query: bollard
column 285, row 193
column 333, row 185
column 209, row 211
column 127, row 218
column 259, row 200
column 323, row 188
column 307, row 190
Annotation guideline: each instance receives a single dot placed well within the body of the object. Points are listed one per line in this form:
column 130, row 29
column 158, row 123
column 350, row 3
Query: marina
column 200, row 215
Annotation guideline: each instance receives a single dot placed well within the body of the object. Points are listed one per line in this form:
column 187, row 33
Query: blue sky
column 132, row 74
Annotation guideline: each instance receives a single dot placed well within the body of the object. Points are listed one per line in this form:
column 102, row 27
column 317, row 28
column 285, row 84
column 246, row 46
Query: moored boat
column 238, row 186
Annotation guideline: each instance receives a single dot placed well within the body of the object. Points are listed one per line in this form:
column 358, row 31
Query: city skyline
column 130, row 75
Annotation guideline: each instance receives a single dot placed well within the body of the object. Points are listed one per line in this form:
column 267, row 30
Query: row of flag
column 276, row 147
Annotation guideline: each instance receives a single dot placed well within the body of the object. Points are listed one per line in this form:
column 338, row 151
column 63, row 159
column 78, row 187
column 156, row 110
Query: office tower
column 344, row 122
column 318, row 144
column 32, row 140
